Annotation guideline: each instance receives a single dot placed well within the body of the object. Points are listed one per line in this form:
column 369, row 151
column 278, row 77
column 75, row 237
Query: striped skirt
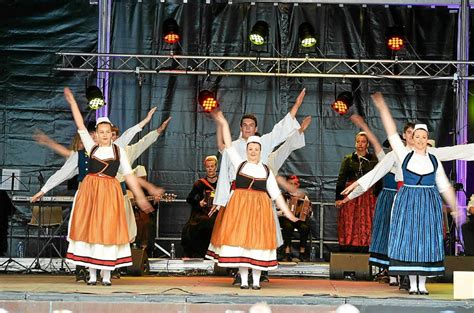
column 244, row 233
column 416, row 232
column 381, row 228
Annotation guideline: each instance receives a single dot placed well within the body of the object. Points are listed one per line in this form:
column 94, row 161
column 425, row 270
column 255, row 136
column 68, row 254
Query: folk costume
column 98, row 233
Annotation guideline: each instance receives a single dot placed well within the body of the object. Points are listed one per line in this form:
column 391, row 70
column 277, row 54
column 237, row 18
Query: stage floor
column 46, row 293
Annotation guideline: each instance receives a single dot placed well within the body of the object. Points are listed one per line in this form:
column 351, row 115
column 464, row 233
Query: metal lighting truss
column 262, row 66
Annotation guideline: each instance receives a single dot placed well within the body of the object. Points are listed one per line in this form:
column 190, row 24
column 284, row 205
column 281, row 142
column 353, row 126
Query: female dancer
column 244, row 236
column 98, row 233
column 416, row 231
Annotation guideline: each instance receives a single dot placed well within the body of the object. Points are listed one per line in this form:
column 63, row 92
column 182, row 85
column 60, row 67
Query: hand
column 202, row 203
column 144, row 205
column 378, row 99
column 298, row 102
column 213, row 210
column 41, row 137
column 349, row 188
column 217, row 115
column 292, row 217
column 163, row 126
column 340, row 203
column 37, row 196
column 148, row 117
column 305, row 124
column 157, row 193
column 357, row 120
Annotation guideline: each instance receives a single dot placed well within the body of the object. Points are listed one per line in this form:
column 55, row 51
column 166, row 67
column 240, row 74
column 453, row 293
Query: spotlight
column 395, row 38
column 342, row 103
column 207, row 101
column 171, row 31
column 94, row 97
column 306, row 35
column 259, row 34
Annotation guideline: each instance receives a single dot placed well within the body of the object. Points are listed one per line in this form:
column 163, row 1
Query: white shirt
column 280, row 132
column 254, row 170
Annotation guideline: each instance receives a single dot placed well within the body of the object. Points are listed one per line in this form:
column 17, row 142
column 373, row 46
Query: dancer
column 416, row 231
column 354, row 219
column 98, row 235
column 244, row 236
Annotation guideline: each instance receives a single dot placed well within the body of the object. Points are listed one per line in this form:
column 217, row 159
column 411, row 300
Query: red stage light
column 395, row 43
column 171, row 31
column 342, row 103
column 207, row 101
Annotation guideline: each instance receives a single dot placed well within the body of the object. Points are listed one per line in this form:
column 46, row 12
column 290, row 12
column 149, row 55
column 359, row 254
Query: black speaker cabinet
column 140, row 264
column 350, row 265
column 457, row 263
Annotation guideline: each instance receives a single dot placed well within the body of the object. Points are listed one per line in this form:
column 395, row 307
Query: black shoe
column 244, row 287
column 424, row 292
column 264, row 277
column 91, row 283
column 106, row 283
column 256, row 287
column 237, row 279
column 413, row 292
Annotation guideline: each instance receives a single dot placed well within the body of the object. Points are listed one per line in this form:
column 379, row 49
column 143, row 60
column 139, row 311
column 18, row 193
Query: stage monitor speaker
column 350, row 265
column 457, row 263
column 140, row 265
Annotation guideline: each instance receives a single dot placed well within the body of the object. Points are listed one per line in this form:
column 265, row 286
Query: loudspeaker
column 457, row 263
column 140, row 264
column 350, row 265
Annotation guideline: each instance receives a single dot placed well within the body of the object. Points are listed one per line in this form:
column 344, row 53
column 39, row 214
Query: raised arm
column 359, row 122
column 148, row 117
column 385, row 115
column 76, row 112
column 222, row 123
column 42, row 139
column 298, row 102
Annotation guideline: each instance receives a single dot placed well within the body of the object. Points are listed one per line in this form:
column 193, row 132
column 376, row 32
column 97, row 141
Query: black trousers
column 288, row 227
column 468, row 235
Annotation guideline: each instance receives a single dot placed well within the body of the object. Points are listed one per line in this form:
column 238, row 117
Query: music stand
column 36, row 264
column 12, row 186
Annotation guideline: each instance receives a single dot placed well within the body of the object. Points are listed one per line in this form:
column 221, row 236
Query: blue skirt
column 416, row 232
column 381, row 228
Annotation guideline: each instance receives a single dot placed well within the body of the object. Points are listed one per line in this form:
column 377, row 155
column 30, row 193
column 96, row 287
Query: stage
column 181, row 292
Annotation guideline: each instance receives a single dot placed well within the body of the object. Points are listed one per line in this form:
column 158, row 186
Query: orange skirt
column 246, row 222
column 99, row 214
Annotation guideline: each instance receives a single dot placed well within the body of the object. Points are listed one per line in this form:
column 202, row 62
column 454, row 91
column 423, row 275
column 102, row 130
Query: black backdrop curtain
column 31, row 91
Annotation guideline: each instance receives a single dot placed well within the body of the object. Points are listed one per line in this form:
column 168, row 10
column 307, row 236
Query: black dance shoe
column 244, row 287
column 106, row 283
column 91, row 283
column 256, row 287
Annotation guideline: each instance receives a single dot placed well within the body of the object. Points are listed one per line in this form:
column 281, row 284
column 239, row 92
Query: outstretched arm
column 385, row 114
column 222, row 123
column 44, row 140
column 299, row 101
column 148, row 117
column 76, row 112
column 359, row 122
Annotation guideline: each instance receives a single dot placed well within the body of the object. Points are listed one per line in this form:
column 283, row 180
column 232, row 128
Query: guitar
column 166, row 197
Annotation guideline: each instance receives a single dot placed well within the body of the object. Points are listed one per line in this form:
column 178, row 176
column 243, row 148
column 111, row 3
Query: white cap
column 421, row 126
column 432, row 143
column 255, row 139
column 103, row 119
column 210, row 158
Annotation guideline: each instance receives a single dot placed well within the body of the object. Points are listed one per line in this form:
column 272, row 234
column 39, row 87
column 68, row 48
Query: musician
column 300, row 205
column 468, row 229
column 197, row 232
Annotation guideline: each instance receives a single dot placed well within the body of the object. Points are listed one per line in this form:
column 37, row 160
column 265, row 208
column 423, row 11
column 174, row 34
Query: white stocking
column 256, row 277
column 106, row 277
column 413, row 284
column 422, row 283
column 92, row 275
column 393, row 279
column 244, row 276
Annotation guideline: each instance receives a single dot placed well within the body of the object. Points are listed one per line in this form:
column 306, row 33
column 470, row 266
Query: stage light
column 95, row 98
column 207, row 100
column 171, row 31
column 395, row 38
column 259, row 34
column 306, row 35
column 342, row 103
